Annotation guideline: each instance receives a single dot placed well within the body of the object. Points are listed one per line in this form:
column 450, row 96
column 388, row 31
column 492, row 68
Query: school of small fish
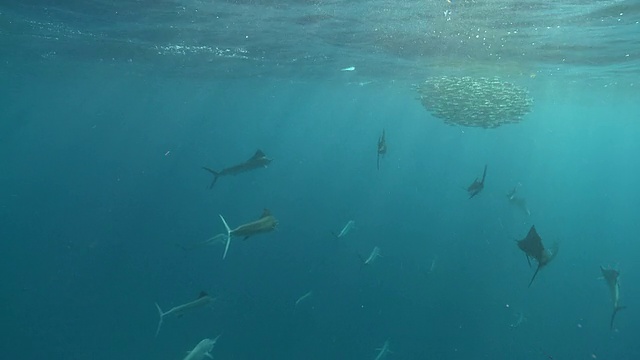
column 474, row 102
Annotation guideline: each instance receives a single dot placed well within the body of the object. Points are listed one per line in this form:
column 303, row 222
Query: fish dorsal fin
column 265, row 213
column 532, row 245
column 202, row 294
column 610, row 275
column 259, row 154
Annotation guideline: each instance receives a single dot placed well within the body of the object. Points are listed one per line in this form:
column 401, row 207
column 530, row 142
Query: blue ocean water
column 111, row 109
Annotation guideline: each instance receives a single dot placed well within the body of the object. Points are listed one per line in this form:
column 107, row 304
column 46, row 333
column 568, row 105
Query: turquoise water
column 110, row 111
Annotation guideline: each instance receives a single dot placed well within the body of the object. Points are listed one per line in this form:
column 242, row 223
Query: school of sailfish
column 531, row 245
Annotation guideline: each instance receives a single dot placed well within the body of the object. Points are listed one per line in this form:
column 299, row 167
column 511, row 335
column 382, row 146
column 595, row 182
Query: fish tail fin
column 613, row 316
column 534, row 275
column 226, row 226
column 161, row 318
column 216, row 175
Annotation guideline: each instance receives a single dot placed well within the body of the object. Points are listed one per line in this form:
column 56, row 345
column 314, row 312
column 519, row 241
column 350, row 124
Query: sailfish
column 477, row 186
column 611, row 277
column 258, row 160
column 518, row 201
column 532, row 247
column 202, row 300
column 265, row 223
column 382, row 147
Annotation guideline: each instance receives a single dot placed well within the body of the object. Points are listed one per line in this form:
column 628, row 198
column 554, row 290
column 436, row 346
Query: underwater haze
column 110, row 110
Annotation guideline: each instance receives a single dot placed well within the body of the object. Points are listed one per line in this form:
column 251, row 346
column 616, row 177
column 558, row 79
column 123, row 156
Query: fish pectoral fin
column 207, row 354
column 210, row 170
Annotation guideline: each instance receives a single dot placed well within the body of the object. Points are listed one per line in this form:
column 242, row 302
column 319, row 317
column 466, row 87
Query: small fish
column 345, row 230
column 375, row 253
column 202, row 300
column 350, row 68
column 265, row 223
column 520, row 319
column 303, row 297
column 383, row 351
column 432, row 267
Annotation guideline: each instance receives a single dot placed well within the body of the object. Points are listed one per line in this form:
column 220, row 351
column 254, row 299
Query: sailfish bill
column 258, row 160
column 532, row 247
column 265, row 223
